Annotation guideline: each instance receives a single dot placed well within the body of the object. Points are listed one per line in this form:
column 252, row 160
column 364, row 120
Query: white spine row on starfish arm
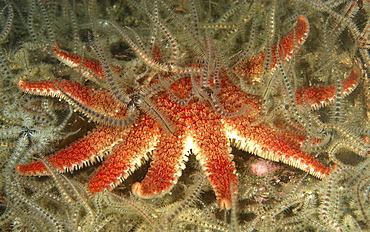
column 100, row 155
column 249, row 145
column 190, row 145
column 138, row 161
column 294, row 158
column 183, row 159
column 158, row 176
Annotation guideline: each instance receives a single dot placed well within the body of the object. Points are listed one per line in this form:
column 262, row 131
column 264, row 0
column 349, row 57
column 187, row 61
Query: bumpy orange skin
column 197, row 127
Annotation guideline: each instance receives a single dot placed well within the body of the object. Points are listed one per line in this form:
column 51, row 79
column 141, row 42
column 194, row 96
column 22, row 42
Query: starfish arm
column 92, row 102
column 213, row 153
column 166, row 167
column 317, row 96
column 126, row 156
column 274, row 145
column 82, row 152
column 251, row 69
column 90, row 68
column 292, row 41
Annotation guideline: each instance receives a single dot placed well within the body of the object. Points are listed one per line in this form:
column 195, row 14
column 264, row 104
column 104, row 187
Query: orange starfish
column 207, row 123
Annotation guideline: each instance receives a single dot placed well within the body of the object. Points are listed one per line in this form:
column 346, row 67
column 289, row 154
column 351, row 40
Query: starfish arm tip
column 149, row 193
column 95, row 188
column 138, row 191
column 225, row 204
column 32, row 169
